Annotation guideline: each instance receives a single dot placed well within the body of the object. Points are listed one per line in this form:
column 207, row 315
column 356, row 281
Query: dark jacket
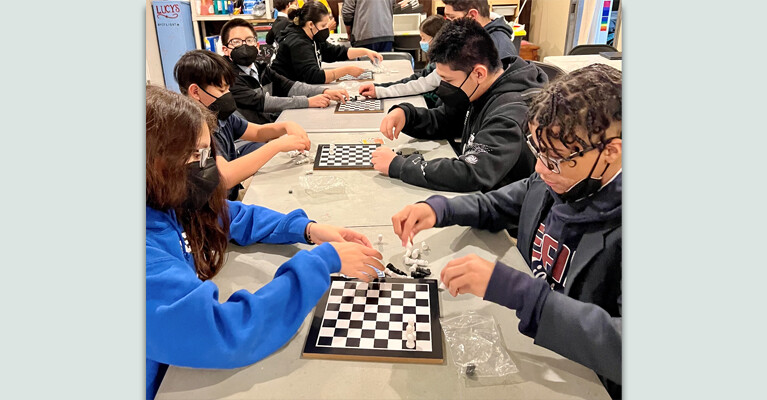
column 300, row 59
column 261, row 100
column 494, row 152
column 584, row 322
column 279, row 24
column 501, row 33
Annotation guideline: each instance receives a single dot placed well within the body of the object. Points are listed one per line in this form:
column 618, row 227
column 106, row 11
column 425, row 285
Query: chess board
column 360, row 106
column 363, row 321
column 365, row 76
column 346, row 156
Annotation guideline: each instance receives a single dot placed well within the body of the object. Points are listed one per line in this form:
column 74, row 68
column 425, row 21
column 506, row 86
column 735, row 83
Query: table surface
column 326, row 120
column 367, row 197
column 571, row 63
column 542, row 374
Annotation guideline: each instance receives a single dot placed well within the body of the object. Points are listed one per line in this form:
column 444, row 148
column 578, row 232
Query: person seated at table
column 304, row 46
column 260, row 93
column 188, row 225
column 423, row 83
column 205, row 77
column 484, row 105
column 282, row 7
column 499, row 30
column 568, row 221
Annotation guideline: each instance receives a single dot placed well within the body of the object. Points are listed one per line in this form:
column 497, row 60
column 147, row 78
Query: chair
column 584, row 49
column 399, row 55
column 552, row 71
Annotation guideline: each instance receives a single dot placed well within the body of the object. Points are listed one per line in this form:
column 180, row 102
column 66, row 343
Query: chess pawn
column 415, row 253
column 408, row 253
column 424, row 247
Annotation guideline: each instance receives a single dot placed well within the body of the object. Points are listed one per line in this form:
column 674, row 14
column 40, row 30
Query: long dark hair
column 173, row 126
column 313, row 11
column 588, row 98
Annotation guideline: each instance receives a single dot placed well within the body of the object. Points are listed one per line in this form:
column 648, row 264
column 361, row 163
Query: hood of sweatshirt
column 521, row 75
column 499, row 24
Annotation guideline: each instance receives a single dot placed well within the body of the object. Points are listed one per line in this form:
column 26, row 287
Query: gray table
column 285, row 375
column 316, row 120
column 571, row 63
column 367, row 198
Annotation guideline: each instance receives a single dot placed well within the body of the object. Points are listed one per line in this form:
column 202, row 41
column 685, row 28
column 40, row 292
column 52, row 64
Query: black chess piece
column 470, row 370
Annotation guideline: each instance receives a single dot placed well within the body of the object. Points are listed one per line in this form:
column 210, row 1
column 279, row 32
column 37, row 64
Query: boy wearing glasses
column 568, row 221
column 260, row 92
column 205, row 77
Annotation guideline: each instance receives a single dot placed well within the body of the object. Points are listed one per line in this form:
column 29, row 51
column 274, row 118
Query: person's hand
column 368, row 90
column 381, row 159
column 413, row 219
column 358, row 261
column 393, row 123
column 287, row 143
column 375, row 57
column 319, row 101
column 469, row 274
column 353, row 70
column 339, row 95
column 332, row 24
column 293, row 129
column 321, row 233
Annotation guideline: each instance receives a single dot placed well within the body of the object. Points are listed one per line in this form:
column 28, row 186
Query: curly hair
column 586, row 100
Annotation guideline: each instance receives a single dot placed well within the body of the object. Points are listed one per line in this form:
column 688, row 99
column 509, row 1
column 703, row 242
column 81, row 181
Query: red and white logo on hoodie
column 544, row 250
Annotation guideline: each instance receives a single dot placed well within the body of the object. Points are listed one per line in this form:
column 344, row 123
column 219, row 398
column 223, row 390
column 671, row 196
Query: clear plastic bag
column 322, row 184
column 477, row 348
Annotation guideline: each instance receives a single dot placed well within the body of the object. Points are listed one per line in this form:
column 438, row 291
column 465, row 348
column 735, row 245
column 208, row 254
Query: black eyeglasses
column 235, row 43
column 553, row 163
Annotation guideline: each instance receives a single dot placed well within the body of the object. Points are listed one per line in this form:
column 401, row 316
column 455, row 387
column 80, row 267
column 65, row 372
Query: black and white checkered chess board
column 360, row 106
column 365, row 76
column 359, row 320
column 345, row 156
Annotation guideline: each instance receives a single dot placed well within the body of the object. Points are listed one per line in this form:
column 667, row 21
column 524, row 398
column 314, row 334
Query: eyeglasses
column 205, row 155
column 235, row 43
column 550, row 162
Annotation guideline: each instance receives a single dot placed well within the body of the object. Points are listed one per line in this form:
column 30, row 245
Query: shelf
column 227, row 17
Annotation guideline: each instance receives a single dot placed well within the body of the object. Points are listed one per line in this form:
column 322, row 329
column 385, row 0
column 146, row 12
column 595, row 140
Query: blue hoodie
column 185, row 323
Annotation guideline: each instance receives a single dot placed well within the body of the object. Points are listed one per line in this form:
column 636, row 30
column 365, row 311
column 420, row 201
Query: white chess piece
column 424, row 247
column 442, row 286
column 408, row 252
column 380, row 238
column 415, row 253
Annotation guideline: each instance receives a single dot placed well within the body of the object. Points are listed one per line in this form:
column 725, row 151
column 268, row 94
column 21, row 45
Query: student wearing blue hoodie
column 568, row 217
column 188, row 225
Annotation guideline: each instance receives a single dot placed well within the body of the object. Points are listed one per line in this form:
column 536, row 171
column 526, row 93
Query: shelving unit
column 199, row 20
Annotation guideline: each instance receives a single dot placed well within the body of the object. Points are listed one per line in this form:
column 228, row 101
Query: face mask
column 200, row 184
column 585, row 187
column 425, row 46
column 244, row 55
column 321, row 35
column 224, row 105
column 454, row 96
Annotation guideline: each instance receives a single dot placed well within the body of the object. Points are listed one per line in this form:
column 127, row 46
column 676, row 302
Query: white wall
column 153, row 63
column 548, row 26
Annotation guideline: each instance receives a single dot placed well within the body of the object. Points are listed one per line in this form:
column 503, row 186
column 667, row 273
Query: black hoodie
column 494, row 152
column 299, row 58
column 501, row 33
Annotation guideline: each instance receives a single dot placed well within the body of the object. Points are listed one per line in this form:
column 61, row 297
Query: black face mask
column 453, row 96
column 200, row 184
column 585, row 187
column 321, row 35
column 244, row 55
column 224, row 105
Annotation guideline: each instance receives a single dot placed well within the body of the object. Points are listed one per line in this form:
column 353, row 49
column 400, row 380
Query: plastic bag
column 322, row 184
column 477, row 348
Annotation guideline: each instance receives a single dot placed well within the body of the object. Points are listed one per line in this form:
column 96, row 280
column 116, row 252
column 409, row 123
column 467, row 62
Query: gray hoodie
column 372, row 21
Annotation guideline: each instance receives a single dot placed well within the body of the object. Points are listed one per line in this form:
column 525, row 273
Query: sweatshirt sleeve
column 347, row 12
column 424, row 84
column 493, row 152
column 305, row 63
column 333, row 53
column 435, row 123
column 493, row 211
column 187, row 326
column 251, row 224
column 303, row 89
column 273, row 104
